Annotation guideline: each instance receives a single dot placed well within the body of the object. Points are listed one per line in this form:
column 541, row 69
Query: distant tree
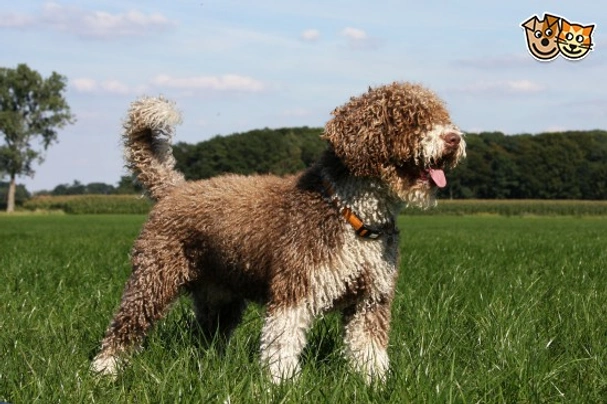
column 128, row 185
column 32, row 108
column 77, row 188
column 278, row 151
column 21, row 194
column 61, row 189
column 564, row 165
column 99, row 188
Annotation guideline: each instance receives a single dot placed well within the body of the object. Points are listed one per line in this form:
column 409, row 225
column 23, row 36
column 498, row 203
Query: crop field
column 489, row 309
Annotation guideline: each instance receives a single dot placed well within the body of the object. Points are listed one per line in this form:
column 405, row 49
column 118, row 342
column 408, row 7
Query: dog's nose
column 452, row 139
column 545, row 42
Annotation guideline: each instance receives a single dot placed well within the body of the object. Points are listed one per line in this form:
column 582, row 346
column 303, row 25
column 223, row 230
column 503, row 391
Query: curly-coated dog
column 302, row 245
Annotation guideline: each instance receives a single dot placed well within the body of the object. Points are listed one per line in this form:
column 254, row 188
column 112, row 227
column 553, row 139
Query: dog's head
column 400, row 134
column 541, row 36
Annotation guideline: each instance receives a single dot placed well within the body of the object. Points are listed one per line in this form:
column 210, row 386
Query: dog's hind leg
column 283, row 337
column 366, row 338
column 159, row 273
column 218, row 311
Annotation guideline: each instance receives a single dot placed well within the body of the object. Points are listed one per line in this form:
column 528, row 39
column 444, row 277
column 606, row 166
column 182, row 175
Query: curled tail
column 147, row 144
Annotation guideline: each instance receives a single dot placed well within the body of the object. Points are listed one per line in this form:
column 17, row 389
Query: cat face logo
column 541, row 36
column 574, row 40
column 554, row 35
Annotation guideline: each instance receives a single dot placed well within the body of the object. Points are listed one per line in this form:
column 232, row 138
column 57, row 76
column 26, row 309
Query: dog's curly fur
column 285, row 242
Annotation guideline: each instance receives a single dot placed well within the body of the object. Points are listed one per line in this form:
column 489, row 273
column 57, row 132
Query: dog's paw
column 105, row 365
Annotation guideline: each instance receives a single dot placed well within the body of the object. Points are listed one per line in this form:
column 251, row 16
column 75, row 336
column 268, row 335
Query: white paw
column 372, row 363
column 105, row 365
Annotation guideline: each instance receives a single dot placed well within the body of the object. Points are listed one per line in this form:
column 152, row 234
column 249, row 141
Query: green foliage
column 511, row 315
column 31, row 110
column 31, row 107
column 128, row 185
column 21, row 194
column 91, row 204
column 565, row 165
column 77, row 188
column 278, row 151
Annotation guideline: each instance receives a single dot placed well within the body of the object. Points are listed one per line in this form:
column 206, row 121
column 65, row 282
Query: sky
column 233, row 66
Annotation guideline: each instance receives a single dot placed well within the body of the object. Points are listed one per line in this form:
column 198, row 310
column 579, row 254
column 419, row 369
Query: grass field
column 488, row 309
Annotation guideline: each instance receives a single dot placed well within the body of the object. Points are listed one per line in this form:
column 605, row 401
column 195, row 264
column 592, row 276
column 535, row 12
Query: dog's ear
column 530, row 23
column 551, row 19
column 355, row 137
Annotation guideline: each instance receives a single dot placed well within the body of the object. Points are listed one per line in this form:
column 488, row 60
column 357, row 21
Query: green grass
column 488, row 309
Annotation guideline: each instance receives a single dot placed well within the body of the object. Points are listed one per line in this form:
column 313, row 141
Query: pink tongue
column 438, row 176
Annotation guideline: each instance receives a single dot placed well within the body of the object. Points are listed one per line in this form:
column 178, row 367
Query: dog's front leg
column 283, row 337
column 367, row 326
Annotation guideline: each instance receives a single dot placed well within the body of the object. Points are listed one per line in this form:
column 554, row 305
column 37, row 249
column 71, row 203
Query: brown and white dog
column 302, row 245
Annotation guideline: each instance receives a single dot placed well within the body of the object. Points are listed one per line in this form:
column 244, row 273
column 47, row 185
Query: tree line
column 278, row 151
column 563, row 165
column 126, row 185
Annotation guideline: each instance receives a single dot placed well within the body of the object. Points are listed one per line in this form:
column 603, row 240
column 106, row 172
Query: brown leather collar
column 356, row 222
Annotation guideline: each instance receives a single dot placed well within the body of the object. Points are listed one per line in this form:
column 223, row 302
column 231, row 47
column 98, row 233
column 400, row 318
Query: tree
column 278, row 151
column 128, row 185
column 32, row 108
column 21, row 194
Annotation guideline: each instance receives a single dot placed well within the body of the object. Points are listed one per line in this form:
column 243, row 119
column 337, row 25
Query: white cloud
column 115, row 87
column 223, row 83
column 89, row 23
column 311, row 35
column 523, row 86
column 132, row 23
column 226, row 82
column 354, row 34
column 86, row 85
column 358, row 39
column 14, row 20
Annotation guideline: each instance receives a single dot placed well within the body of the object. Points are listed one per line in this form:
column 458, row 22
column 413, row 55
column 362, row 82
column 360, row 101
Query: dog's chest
column 362, row 268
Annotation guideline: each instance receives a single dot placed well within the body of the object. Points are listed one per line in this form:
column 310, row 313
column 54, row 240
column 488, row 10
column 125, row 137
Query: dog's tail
column 147, row 144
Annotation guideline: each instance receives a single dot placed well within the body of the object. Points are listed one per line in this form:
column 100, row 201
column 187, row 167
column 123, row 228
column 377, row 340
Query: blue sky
column 233, row 66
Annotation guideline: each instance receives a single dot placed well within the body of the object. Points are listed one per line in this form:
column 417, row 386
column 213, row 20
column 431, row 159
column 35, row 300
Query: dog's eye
column 548, row 32
column 537, row 34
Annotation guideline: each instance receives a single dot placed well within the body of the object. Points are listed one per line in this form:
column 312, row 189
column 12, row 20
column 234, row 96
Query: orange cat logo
column 554, row 35
column 574, row 40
